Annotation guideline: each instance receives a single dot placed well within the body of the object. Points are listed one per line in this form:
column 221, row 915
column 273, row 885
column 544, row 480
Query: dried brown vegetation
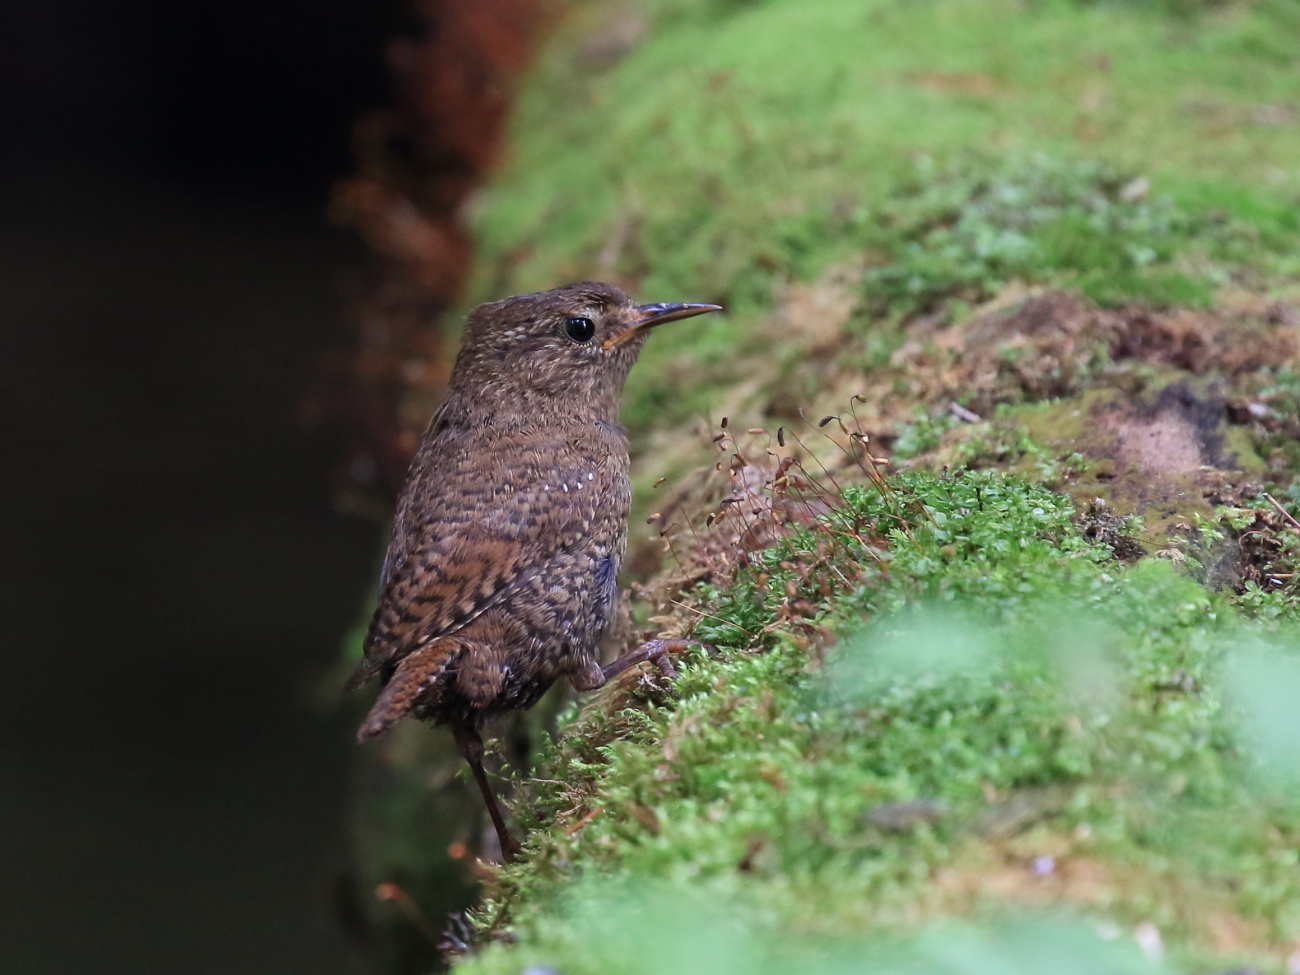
column 1029, row 346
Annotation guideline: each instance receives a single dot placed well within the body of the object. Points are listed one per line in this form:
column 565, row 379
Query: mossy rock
column 1001, row 657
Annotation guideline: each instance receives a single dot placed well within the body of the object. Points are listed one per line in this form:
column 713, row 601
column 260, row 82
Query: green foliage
column 921, row 435
column 1265, row 678
column 967, row 231
column 950, row 145
column 615, row 929
column 999, row 689
column 1185, row 8
column 731, row 164
column 998, row 693
column 969, row 534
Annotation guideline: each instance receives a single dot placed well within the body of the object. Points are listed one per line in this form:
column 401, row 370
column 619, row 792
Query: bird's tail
column 415, row 675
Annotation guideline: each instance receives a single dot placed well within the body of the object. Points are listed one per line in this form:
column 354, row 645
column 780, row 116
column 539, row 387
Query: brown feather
column 413, row 676
column 455, row 567
column 501, row 573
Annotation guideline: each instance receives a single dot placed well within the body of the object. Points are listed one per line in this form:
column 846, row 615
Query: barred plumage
column 512, row 524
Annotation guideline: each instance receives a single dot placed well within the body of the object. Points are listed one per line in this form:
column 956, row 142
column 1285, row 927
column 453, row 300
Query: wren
column 500, row 577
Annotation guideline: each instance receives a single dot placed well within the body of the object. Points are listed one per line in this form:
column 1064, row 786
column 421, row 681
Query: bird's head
column 572, row 346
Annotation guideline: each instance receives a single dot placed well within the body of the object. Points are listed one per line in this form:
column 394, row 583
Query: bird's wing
column 474, row 521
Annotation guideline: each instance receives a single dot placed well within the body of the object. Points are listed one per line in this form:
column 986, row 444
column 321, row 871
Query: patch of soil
column 1053, row 344
column 1100, row 523
column 1264, row 552
column 1201, row 341
column 1164, row 406
column 1178, row 434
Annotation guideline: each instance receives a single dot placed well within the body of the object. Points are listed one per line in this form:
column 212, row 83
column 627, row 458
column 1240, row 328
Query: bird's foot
column 511, row 848
column 658, row 652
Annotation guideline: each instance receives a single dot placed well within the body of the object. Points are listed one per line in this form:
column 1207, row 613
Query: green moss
column 747, row 158
column 1000, row 691
column 968, row 231
column 951, row 146
column 1239, row 445
column 950, row 704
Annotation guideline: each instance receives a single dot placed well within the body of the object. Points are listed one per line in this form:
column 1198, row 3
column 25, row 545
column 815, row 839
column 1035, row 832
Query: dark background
column 174, row 579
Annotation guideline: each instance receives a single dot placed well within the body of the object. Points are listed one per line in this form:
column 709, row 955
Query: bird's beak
column 648, row 316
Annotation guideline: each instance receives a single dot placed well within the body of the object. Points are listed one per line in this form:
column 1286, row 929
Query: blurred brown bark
column 418, row 163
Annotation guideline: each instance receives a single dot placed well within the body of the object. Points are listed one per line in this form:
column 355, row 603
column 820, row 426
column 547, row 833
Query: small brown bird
column 512, row 524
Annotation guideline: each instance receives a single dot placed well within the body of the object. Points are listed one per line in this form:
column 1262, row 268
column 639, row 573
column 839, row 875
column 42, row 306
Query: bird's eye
column 579, row 329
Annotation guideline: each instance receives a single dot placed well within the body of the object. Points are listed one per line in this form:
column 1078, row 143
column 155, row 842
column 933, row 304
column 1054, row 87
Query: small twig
column 1285, row 514
column 825, row 470
column 583, row 821
column 672, row 490
column 700, row 612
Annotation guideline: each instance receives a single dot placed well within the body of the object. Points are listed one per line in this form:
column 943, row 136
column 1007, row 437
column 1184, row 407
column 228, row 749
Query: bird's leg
column 593, row 675
column 470, row 746
column 589, row 678
column 656, row 651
